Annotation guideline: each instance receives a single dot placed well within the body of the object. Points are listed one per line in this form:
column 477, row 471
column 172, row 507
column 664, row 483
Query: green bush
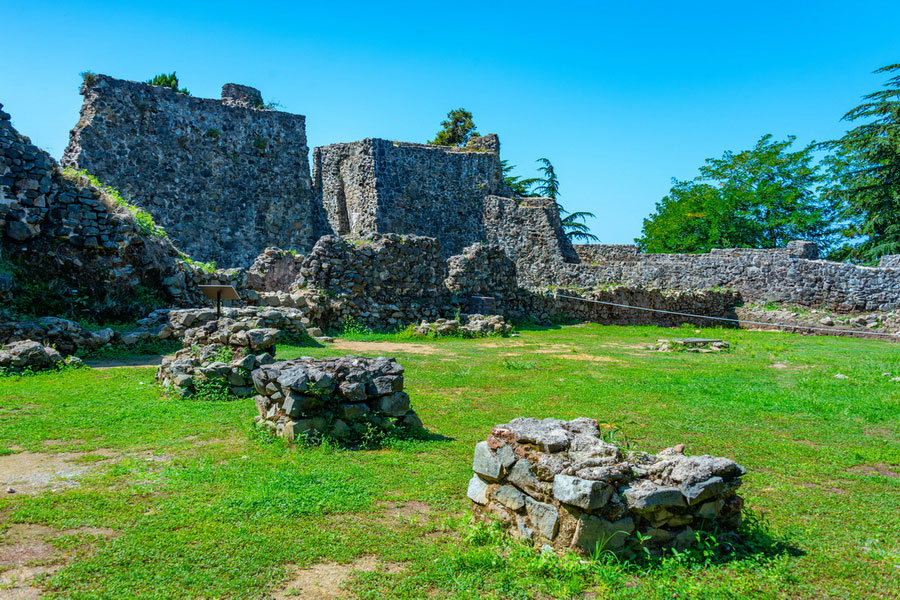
column 169, row 80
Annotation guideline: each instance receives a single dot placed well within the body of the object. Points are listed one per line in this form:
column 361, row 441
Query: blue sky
column 621, row 97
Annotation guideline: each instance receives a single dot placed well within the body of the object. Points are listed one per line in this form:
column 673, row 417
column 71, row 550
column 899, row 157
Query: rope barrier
column 729, row 319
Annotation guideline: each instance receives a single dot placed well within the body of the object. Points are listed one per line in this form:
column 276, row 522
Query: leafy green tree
column 759, row 198
column 169, row 80
column 865, row 165
column 456, row 130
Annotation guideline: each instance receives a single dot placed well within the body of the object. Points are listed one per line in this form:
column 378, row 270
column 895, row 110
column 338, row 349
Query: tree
column 574, row 224
column 519, row 186
column 865, row 165
column 169, row 80
column 759, row 198
column 458, row 128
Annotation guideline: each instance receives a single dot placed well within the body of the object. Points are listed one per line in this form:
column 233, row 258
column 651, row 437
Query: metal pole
column 219, row 304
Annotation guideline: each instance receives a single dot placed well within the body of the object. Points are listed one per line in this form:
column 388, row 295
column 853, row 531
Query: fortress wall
column 225, row 178
column 790, row 275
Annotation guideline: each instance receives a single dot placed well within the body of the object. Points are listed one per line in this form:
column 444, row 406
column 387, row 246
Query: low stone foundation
column 348, row 398
column 28, row 355
column 468, row 326
column 559, row 484
column 222, row 350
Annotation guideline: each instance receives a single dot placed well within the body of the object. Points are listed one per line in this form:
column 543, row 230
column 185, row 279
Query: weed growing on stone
column 354, row 327
column 212, row 389
column 142, row 218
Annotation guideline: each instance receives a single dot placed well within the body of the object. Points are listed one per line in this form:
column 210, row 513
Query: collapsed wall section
column 790, row 275
column 67, row 248
column 225, row 178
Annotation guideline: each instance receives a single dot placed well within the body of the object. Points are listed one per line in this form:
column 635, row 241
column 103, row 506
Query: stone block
column 585, row 494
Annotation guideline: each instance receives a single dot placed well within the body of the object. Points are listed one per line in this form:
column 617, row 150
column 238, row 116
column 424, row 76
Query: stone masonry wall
column 558, row 483
column 382, row 186
column 225, row 178
column 790, row 275
column 68, row 249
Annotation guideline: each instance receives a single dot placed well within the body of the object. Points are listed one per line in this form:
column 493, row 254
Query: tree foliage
column 169, row 80
column 759, row 198
column 456, row 129
column 865, row 166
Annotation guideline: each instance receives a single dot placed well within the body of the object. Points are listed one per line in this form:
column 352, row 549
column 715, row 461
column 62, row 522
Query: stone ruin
column 28, row 355
column 559, row 484
column 350, row 399
column 221, row 350
column 468, row 326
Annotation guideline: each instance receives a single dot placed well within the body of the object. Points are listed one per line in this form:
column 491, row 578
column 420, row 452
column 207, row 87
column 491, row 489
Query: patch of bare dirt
column 118, row 363
column 385, row 348
column 326, row 581
column 404, row 511
column 882, row 433
column 34, row 472
column 877, row 469
column 26, row 553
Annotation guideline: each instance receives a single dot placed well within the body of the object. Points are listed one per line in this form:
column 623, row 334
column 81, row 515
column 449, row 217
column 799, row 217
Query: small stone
column 509, row 497
column 10, row 490
column 478, row 489
column 841, row 376
column 486, row 463
column 646, row 494
column 582, row 493
column 544, row 517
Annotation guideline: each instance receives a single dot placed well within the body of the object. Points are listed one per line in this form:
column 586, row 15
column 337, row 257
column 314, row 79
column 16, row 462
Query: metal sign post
column 219, row 293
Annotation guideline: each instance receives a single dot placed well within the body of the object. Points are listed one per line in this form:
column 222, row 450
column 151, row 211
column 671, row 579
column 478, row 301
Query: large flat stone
column 582, row 493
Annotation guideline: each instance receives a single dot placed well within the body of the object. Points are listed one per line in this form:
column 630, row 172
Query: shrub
column 169, row 81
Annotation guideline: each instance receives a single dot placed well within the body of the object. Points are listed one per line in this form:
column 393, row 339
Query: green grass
column 208, row 508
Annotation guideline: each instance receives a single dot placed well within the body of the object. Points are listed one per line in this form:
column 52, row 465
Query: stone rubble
column 559, row 484
column 28, row 355
column 223, row 349
column 474, row 326
column 701, row 345
column 347, row 398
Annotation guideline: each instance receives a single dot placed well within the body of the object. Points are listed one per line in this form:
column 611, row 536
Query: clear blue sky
column 620, row 96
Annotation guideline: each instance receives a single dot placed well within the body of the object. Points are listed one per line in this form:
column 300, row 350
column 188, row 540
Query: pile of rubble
column 225, row 351
column 467, row 326
column 559, row 484
column 348, row 398
column 703, row 345
column 28, row 355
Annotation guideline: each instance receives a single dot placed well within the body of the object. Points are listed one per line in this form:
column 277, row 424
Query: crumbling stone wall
column 225, row 178
column 346, row 398
column 386, row 280
column 66, row 248
column 791, row 275
column 558, row 483
column 377, row 185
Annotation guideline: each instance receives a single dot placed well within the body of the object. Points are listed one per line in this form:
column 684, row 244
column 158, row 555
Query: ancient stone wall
column 790, row 275
column 456, row 195
column 225, row 178
column 67, row 248
column 558, row 483
column 348, row 398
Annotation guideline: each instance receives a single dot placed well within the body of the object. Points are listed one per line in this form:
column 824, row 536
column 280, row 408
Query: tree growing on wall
column 865, row 165
column 574, row 224
column 169, row 80
column 758, row 198
column 456, row 129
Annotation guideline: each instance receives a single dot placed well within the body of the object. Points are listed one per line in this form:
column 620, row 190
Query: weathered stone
column 597, row 533
column 646, row 495
column 478, row 490
column 486, row 463
column 509, row 497
column 582, row 493
column 544, row 517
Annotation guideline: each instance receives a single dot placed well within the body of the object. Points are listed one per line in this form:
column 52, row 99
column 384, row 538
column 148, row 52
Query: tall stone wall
column 790, row 275
column 438, row 191
column 68, row 249
column 225, row 178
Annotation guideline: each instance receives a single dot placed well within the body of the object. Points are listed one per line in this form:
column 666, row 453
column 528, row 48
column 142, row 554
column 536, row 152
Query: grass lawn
column 180, row 499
